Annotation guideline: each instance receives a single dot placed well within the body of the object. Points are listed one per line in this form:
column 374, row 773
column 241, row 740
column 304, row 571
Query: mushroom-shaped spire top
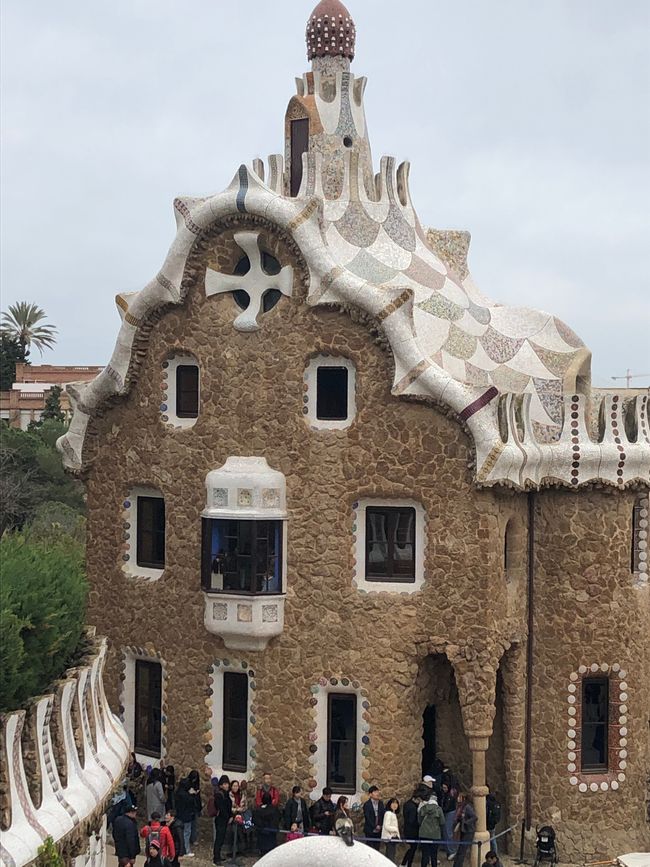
column 330, row 31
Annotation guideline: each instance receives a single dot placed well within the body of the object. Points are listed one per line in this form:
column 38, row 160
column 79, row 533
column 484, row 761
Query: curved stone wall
column 48, row 786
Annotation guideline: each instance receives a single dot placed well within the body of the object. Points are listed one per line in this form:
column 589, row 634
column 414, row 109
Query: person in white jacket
column 390, row 829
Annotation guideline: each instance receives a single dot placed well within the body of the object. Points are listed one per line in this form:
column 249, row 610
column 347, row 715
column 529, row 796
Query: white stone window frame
column 214, row 758
column 130, row 655
column 359, row 535
column 311, row 388
column 130, row 527
column 168, row 397
column 320, row 702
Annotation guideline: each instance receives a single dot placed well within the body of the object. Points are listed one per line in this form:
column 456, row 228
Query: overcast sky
column 527, row 123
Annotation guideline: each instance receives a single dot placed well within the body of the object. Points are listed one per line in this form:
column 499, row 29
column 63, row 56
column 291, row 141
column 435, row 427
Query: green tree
column 49, row 855
column 42, row 610
column 21, row 320
column 11, row 352
column 52, row 408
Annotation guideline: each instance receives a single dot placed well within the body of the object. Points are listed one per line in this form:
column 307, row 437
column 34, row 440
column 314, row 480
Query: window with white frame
column 180, row 403
column 142, row 701
column 389, row 545
column 144, row 525
column 232, row 741
column 330, row 397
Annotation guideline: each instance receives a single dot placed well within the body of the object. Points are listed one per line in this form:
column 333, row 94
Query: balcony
column 243, row 560
column 244, row 621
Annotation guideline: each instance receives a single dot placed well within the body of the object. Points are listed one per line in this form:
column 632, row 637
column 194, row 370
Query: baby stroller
column 546, row 850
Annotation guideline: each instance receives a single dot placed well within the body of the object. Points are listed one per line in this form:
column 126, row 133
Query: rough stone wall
column 252, row 393
column 587, row 611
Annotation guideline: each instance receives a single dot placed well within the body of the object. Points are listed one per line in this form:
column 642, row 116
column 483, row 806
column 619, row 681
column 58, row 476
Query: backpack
column 153, row 835
column 493, row 812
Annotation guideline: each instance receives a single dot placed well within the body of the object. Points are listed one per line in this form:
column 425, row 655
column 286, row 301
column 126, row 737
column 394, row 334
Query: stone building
column 348, row 515
column 25, row 401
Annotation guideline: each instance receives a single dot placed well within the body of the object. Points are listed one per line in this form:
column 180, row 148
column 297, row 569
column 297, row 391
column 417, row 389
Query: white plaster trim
column 127, row 700
column 130, row 549
column 320, row 692
column 640, row 541
column 310, row 379
column 359, row 534
column 214, row 759
column 168, row 404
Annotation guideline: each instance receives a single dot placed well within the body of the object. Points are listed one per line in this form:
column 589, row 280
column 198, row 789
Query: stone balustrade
column 61, row 759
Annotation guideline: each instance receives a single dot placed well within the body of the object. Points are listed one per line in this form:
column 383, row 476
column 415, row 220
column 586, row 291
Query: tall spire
column 330, row 31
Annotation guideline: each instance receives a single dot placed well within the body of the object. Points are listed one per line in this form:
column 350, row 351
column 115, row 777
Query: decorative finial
column 330, row 31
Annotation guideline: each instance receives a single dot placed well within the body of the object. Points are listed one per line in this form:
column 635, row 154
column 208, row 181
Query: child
column 492, row 860
column 153, row 854
column 294, row 833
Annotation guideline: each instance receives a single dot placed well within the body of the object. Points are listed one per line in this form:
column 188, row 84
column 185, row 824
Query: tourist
column 176, row 830
column 296, row 810
column 155, row 794
column 411, row 826
column 373, row 817
column 222, row 816
column 341, row 811
column 492, row 818
column 154, row 857
column 267, row 820
column 126, row 838
column 432, row 829
column 185, row 812
column 134, row 768
column 239, row 806
column 154, row 832
column 428, row 781
column 267, row 787
column 322, row 814
column 465, row 825
column 169, row 775
column 294, row 832
column 448, row 805
column 390, row 829
column 492, row 860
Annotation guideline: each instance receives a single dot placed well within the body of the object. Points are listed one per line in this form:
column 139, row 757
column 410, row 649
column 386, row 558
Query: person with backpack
column 159, row 835
column 431, row 820
column 220, row 807
column 492, row 818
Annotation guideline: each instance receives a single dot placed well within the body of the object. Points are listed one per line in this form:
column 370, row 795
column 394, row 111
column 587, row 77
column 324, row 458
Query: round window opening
column 347, row 141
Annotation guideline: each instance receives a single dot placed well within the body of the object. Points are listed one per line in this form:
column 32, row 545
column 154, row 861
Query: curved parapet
column 50, row 791
column 450, row 346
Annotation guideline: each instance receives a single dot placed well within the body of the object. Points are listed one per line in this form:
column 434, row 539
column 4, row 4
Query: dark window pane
column 151, row 532
column 187, row 391
column 299, row 146
column 332, row 393
column 595, row 721
column 235, row 721
column 390, row 544
column 148, row 700
column 342, row 742
column 242, row 556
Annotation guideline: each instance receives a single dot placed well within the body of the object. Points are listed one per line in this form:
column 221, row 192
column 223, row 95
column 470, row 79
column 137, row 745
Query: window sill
column 245, row 621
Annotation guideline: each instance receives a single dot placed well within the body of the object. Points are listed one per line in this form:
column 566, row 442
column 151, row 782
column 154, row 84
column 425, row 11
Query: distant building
column 26, row 400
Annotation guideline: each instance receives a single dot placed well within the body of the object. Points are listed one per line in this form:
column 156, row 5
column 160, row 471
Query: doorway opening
column 429, row 739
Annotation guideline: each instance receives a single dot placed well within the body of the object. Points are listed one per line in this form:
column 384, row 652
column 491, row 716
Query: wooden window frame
column 149, row 748
column 338, row 787
column 142, row 530
column 601, row 767
column 391, row 575
column 229, row 722
column 182, row 392
column 206, row 555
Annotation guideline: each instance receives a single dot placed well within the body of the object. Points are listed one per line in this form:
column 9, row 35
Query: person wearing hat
column 222, row 817
column 125, row 837
column 154, row 858
column 157, row 834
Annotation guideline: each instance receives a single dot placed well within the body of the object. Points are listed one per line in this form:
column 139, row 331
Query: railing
column 60, row 761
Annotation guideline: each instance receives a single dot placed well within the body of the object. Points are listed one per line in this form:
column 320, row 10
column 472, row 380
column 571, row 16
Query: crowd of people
column 437, row 819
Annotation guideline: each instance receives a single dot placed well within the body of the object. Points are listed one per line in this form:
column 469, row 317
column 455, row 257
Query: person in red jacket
column 155, row 832
column 267, row 787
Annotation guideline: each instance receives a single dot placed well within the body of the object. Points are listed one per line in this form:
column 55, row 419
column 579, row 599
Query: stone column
column 478, row 744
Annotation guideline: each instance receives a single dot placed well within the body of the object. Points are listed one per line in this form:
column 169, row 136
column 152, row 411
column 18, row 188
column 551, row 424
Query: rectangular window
column 151, row 532
column 242, row 556
column 332, row 393
column 390, row 543
column 187, row 391
column 595, row 721
column 299, row 146
column 342, row 742
column 148, row 707
column 235, row 721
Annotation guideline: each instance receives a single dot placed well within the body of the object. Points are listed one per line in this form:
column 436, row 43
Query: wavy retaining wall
column 61, row 758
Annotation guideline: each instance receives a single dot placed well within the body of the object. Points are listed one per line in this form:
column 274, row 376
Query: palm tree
column 21, row 322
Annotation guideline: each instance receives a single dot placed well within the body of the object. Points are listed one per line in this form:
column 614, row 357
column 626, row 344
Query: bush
column 49, row 855
column 42, row 609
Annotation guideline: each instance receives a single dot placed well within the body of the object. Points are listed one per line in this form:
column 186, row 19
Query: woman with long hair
column 465, row 824
column 155, row 793
column 390, row 828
